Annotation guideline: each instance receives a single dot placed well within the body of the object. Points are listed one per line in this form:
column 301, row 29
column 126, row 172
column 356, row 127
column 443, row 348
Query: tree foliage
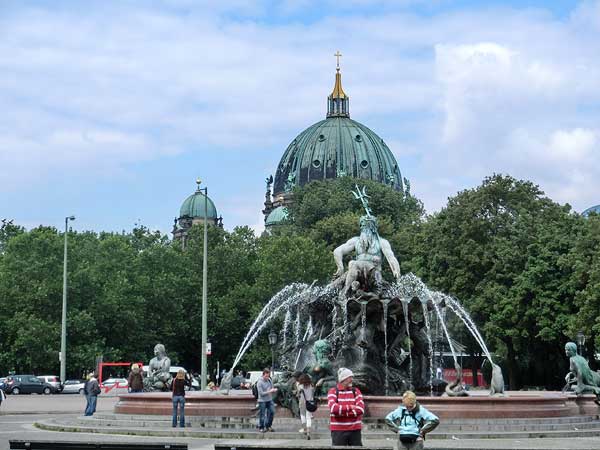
column 526, row 268
column 502, row 249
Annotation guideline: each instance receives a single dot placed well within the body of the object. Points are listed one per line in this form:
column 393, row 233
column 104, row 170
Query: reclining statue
column 582, row 377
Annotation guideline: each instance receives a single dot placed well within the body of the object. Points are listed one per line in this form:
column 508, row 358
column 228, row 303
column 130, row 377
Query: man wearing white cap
column 346, row 408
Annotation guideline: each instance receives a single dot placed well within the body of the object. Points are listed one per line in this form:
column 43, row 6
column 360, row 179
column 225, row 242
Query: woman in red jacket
column 346, row 408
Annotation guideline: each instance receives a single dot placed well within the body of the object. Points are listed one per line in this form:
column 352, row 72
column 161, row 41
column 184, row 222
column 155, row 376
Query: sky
column 110, row 110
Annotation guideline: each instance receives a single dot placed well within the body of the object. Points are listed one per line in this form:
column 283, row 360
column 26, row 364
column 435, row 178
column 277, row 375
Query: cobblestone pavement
column 18, row 414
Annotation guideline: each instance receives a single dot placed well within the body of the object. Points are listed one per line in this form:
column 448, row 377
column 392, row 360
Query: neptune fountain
column 382, row 330
column 385, row 329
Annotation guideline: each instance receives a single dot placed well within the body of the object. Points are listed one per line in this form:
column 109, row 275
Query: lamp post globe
column 580, row 341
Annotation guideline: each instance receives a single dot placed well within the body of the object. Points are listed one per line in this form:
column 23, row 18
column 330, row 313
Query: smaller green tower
column 276, row 217
column 192, row 213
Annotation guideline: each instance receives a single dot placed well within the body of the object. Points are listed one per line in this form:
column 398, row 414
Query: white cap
column 344, row 373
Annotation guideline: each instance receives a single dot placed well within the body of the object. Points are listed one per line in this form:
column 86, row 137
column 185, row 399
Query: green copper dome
column 276, row 216
column 335, row 147
column 193, row 206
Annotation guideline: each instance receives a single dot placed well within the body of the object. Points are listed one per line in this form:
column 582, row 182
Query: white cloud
column 459, row 95
column 574, row 146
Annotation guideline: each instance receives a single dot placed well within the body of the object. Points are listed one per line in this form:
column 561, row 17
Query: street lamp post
column 203, row 370
column 273, row 343
column 63, row 331
column 580, row 342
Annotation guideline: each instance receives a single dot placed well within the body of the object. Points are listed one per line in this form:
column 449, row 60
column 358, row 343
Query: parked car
column 116, row 382
column 54, row 380
column 28, row 384
column 73, row 387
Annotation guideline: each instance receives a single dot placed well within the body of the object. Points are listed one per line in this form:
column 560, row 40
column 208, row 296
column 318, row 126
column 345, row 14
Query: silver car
column 53, row 380
column 73, row 387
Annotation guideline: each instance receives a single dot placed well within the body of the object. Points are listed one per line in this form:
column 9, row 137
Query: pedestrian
column 346, row 408
column 266, row 406
column 135, row 379
column 85, row 392
column 91, row 390
column 2, row 395
column 306, row 403
column 179, row 384
column 412, row 422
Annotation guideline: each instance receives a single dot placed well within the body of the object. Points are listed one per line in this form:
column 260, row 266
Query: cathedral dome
column 335, row 147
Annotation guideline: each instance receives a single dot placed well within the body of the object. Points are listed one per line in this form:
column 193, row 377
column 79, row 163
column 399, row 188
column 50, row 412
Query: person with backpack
column 346, row 408
column 412, row 422
column 307, row 403
column 91, row 390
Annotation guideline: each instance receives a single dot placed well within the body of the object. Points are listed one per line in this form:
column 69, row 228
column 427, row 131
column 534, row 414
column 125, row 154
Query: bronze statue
column 159, row 378
column 370, row 249
column 323, row 372
column 584, row 379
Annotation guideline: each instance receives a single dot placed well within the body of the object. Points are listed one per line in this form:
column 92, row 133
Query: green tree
column 500, row 249
column 585, row 257
column 323, row 200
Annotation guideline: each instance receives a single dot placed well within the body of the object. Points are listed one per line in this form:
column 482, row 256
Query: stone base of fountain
column 539, row 404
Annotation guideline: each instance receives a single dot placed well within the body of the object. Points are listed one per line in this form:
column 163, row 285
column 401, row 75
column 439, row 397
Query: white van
column 254, row 375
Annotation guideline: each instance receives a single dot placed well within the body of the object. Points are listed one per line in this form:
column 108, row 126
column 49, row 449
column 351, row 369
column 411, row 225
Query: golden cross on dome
column 337, row 55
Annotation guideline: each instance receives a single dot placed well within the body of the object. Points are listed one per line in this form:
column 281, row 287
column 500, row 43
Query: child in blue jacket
column 412, row 422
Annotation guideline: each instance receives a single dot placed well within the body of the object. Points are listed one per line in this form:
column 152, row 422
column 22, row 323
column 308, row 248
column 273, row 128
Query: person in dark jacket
column 135, row 379
column 179, row 384
column 91, row 390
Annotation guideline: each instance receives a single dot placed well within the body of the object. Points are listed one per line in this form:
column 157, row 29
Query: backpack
column 413, row 415
column 255, row 391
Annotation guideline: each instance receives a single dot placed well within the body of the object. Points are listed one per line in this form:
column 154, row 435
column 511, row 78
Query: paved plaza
column 19, row 414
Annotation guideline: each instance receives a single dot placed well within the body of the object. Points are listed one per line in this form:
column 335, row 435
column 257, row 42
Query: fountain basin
column 241, row 404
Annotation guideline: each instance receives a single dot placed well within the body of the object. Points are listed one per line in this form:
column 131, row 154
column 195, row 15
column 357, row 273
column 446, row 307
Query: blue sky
column 111, row 110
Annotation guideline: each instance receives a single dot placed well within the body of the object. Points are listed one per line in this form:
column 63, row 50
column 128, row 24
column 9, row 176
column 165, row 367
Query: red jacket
column 346, row 408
